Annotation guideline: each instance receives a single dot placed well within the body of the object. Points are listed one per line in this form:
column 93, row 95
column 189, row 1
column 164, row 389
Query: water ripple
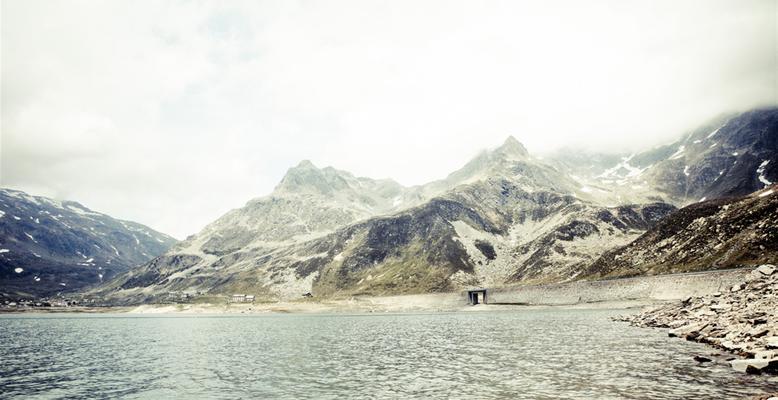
column 523, row 355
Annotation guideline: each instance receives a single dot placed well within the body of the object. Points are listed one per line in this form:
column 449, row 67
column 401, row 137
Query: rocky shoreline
column 741, row 320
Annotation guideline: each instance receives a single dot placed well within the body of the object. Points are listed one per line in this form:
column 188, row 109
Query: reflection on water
column 529, row 354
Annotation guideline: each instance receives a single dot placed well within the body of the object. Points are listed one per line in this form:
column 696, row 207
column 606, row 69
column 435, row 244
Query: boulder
column 754, row 366
column 758, row 321
column 758, row 332
column 730, row 345
column 721, row 307
column 688, row 331
column 765, row 269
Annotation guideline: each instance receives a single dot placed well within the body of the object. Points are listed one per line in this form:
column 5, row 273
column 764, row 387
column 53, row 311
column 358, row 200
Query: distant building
column 242, row 298
column 474, row 294
column 176, row 296
column 239, row 298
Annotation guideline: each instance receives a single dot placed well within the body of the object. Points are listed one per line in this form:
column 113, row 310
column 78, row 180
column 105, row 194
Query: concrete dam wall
column 658, row 287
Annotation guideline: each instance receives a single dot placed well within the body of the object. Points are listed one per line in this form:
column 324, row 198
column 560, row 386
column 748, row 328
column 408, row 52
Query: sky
column 170, row 113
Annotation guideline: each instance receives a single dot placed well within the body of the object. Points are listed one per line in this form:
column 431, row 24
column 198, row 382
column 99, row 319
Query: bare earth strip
column 616, row 293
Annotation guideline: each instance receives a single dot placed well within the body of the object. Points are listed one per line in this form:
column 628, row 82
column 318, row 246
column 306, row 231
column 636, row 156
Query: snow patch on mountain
column 623, row 170
column 761, row 175
column 715, row 131
column 679, row 153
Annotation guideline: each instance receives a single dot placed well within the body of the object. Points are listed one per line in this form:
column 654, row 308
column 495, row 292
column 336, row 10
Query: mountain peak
column 308, row 178
column 511, row 146
column 305, row 164
column 298, row 178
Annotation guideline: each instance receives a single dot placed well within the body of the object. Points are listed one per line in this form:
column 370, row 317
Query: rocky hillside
column 742, row 319
column 714, row 234
column 49, row 246
column 503, row 217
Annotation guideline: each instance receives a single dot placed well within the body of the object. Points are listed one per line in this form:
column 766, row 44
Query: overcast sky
column 170, row 113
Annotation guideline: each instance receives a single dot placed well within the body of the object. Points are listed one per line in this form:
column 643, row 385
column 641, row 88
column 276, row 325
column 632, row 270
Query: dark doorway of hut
column 475, row 295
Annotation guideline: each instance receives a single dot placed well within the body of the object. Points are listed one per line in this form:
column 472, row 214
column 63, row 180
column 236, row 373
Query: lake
column 533, row 354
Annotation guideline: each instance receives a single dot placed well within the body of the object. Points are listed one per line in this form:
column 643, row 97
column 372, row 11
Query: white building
column 238, row 298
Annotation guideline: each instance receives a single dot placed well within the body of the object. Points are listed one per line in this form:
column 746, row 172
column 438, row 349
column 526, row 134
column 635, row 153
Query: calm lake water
column 527, row 355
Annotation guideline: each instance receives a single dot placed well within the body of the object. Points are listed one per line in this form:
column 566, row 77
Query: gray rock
column 689, row 331
column 754, row 366
column 730, row 345
column 759, row 321
column 758, row 332
column 721, row 307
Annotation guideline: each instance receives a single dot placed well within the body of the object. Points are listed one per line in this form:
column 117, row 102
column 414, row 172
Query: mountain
column 713, row 234
column 735, row 158
column 308, row 203
column 732, row 155
column 503, row 217
column 49, row 246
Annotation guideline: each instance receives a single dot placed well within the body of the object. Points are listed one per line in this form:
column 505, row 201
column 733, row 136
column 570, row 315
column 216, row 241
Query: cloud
column 170, row 113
